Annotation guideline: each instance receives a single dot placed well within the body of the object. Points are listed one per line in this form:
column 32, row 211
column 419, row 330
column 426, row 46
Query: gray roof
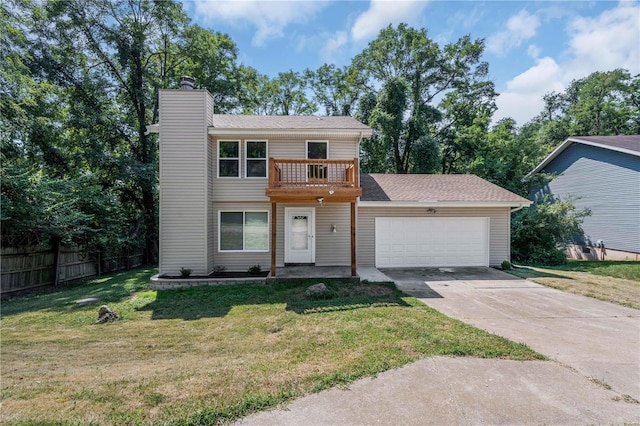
column 434, row 188
column 287, row 122
column 627, row 144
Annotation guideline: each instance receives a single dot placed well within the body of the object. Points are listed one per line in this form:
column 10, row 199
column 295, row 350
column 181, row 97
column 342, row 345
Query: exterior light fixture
column 334, row 228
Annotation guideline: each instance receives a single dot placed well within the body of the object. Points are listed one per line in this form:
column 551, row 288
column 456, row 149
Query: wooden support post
column 353, row 239
column 273, row 238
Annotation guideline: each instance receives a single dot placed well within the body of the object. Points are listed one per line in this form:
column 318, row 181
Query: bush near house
column 540, row 232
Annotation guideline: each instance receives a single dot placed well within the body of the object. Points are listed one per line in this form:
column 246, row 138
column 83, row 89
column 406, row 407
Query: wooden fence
column 24, row 268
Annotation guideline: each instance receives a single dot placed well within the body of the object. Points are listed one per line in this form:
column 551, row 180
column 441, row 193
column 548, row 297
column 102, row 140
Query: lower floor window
column 244, row 231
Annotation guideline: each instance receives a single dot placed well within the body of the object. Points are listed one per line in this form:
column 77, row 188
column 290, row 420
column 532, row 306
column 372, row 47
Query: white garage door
column 415, row 242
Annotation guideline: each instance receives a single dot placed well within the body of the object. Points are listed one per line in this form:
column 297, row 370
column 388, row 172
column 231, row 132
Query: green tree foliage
column 106, row 55
column 447, row 97
column 540, row 232
column 37, row 208
column 211, row 59
column 336, row 89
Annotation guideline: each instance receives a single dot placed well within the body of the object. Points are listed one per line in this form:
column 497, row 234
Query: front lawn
column 611, row 281
column 210, row 354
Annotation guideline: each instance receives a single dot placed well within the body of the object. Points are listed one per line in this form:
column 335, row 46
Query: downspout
column 517, row 208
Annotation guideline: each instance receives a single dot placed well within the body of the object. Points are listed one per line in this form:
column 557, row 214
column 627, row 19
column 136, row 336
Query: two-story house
column 600, row 174
column 239, row 190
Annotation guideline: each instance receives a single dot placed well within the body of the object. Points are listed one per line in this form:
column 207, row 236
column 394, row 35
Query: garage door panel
column 415, row 242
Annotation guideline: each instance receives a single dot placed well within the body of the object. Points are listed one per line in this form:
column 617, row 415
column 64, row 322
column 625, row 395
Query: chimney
column 186, row 82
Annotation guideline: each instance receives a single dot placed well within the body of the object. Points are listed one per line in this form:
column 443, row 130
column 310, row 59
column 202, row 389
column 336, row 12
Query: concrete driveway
column 593, row 378
column 598, row 339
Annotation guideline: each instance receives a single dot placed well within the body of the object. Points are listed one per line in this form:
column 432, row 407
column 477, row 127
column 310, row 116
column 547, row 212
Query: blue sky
column 532, row 47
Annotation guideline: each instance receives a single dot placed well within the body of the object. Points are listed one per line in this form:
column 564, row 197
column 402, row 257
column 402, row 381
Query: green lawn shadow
column 108, row 289
column 217, row 301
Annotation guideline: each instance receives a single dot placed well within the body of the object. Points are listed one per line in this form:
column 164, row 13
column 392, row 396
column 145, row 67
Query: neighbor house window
column 228, row 158
column 244, row 231
column 256, row 158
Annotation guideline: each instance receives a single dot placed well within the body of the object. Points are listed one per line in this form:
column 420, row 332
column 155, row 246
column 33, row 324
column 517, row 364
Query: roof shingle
column 433, row 188
column 282, row 122
column 629, row 142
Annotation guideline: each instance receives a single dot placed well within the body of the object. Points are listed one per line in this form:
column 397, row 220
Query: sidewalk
column 461, row 391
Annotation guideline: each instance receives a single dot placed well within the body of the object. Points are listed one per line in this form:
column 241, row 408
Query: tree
column 599, row 108
column 335, row 89
column 288, row 95
column 115, row 46
column 211, row 59
column 446, row 90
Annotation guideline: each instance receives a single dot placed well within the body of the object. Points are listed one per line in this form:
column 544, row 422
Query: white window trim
column 243, row 235
column 247, row 159
column 239, row 142
column 306, row 147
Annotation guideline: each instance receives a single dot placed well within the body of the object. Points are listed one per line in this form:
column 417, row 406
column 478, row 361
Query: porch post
column 273, row 238
column 353, row 239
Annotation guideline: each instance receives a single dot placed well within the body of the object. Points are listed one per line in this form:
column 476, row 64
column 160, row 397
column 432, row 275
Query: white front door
column 299, row 236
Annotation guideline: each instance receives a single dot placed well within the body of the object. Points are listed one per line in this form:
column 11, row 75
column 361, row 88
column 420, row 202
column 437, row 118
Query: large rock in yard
column 317, row 291
column 105, row 315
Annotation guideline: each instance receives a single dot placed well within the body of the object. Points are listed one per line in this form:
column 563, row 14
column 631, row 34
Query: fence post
column 57, row 243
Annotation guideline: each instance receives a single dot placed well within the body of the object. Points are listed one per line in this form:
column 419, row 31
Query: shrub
column 255, row 269
column 184, row 272
column 542, row 231
column 506, row 265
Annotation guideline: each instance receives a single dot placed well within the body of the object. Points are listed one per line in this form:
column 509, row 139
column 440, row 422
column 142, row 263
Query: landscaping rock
column 317, row 291
column 105, row 315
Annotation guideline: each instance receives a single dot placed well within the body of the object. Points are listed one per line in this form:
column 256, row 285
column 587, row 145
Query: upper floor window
column 317, row 150
column 228, row 158
column 256, row 159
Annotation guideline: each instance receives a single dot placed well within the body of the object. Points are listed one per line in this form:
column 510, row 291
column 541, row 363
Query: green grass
column 611, row 281
column 211, row 354
column 608, row 268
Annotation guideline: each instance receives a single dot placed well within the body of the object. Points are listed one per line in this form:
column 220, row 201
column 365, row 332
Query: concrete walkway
column 460, row 391
column 594, row 378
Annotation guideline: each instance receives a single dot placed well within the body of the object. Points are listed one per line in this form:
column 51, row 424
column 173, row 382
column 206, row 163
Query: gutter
column 443, row 204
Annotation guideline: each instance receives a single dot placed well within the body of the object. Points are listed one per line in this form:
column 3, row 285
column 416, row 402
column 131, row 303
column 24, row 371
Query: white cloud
column 603, row 43
column 381, row 13
column 332, row 46
column 520, row 28
column 269, row 18
column 606, row 42
column 533, row 51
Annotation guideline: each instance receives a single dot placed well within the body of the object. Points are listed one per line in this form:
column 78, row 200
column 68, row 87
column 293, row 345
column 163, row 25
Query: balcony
column 297, row 180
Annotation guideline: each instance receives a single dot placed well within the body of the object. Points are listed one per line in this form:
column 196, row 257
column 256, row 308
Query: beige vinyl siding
column 183, row 174
column 211, row 248
column 252, row 189
column 331, row 248
column 499, row 228
column 211, row 156
column 239, row 261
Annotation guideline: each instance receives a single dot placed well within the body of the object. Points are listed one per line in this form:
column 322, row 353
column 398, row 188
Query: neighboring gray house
column 237, row 191
column 602, row 174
